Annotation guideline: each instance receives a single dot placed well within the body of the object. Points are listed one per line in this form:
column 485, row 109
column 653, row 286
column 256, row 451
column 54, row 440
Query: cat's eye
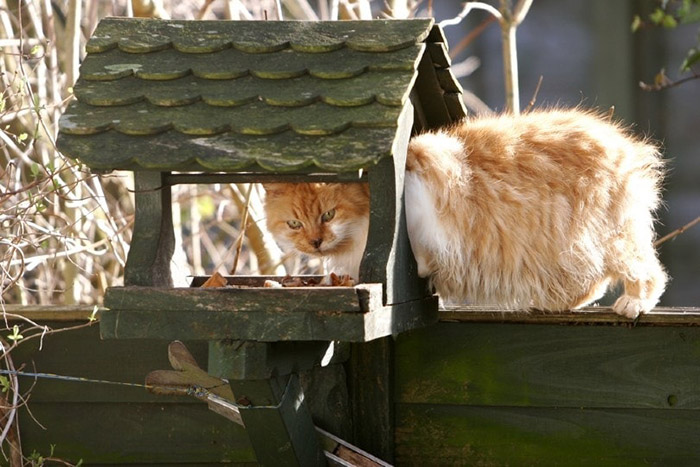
column 294, row 224
column 328, row 215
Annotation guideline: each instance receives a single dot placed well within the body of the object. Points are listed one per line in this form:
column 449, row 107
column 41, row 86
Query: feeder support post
column 153, row 240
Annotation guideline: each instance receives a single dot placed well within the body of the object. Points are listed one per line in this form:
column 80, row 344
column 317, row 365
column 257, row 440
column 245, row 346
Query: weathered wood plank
column 351, row 150
column 388, row 257
column 278, row 422
column 81, row 353
column 455, row 105
column 371, row 392
column 451, row 435
column 438, row 54
column 288, row 300
column 265, row 326
column 661, row 316
column 553, row 366
column 121, row 434
column 430, row 94
column 79, row 314
column 351, row 314
column 137, row 35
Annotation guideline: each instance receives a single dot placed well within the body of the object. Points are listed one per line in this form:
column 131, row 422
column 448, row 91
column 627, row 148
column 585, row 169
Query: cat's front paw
column 629, row 307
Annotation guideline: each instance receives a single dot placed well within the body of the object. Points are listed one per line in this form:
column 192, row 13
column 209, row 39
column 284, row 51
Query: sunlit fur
column 342, row 239
column 542, row 210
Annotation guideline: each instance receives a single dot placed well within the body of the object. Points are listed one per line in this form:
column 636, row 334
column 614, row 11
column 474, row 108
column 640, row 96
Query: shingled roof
column 254, row 95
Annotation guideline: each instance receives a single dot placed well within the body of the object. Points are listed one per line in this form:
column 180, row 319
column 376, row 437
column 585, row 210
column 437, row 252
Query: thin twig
column 666, row 84
column 205, row 9
column 677, row 232
column 244, row 223
column 469, row 38
column 468, row 7
column 531, row 104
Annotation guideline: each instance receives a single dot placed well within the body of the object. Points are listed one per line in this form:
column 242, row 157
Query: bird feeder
column 261, row 101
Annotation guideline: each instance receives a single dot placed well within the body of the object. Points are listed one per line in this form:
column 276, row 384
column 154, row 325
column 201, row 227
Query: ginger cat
column 543, row 210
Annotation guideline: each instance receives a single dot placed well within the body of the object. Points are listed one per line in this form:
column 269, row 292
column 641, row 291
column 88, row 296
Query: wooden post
column 388, row 257
column 372, row 397
column 153, row 240
column 273, row 410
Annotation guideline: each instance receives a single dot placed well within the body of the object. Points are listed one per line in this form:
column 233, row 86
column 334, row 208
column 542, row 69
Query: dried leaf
column 216, row 280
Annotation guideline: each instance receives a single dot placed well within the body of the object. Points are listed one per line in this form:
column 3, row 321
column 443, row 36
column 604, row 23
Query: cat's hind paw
column 629, row 307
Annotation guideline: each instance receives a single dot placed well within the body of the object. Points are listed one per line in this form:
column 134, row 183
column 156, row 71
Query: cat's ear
column 274, row 189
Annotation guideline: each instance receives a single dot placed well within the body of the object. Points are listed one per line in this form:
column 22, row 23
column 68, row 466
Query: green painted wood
column 388, row 256
column 146, row 35
column 231, row 95
column 660, row 316
column 134, row 433
column 81, row 353
column 288, row 300
column 353, row 149
column 550, row 366
column 153, row 239
column 262, row 360
column 231, row 66
column 439, row 54
column 200, row 119
column 448, row 82
column 120, row 422
column 387, row 88
column 430, row 94
column 455, row 105
column 458, row 435
column 262, row 314
column 278, row 422
column 371, row 382
column 437, row 34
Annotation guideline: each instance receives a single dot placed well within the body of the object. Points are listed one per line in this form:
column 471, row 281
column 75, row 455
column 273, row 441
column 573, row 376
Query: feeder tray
column 247, row 310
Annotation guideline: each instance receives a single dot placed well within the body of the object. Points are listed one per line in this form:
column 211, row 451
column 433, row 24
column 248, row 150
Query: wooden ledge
column 601, row 315
column 61, row 313
column 597, row 315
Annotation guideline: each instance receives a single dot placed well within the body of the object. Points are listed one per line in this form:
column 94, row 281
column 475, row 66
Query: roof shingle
column 232, row 95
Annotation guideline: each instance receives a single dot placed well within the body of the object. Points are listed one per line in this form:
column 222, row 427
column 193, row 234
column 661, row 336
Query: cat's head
column 319, row 219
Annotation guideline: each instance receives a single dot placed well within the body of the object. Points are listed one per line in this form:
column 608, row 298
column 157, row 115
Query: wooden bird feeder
column 261, row 101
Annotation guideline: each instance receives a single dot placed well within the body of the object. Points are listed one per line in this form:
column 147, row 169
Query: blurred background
column 64, row 232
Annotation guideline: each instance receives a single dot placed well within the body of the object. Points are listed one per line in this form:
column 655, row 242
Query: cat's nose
column 316, row 243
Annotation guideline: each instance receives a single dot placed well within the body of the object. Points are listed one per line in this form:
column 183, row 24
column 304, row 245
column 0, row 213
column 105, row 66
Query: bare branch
column 244, row 225
column 520, row 11
column 531, row 104
column 469, row 38
column 677, row 232
column 667, row 83
column 468, row 7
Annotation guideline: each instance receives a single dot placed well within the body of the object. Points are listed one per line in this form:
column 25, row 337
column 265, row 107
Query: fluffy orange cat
column 543, row 210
